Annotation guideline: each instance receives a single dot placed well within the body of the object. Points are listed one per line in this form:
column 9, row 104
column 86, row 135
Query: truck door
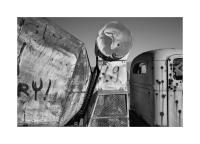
column 175, row 90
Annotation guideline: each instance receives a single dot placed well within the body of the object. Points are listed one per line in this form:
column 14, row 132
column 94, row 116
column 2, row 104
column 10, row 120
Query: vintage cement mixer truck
column 56, row 86
column 109, row 103
column 156, row 87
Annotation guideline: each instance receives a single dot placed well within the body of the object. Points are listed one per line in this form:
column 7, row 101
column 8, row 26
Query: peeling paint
column 49, row 67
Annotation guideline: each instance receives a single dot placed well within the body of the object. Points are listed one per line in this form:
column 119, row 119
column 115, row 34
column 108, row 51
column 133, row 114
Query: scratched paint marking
column 52, row 66
column 113, row 76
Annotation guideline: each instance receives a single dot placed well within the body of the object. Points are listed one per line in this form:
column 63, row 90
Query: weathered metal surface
column 166, row 92
column 111, row 105
column 53, row 73
column 114, row 41
column 112, row 49
column 160, row 92
column 110, row 110
column 175, row 90
column 155, row 94
column 113, row 75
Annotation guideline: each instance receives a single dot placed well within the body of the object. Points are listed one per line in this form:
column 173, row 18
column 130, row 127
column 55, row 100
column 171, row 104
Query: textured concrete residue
column 53, row 73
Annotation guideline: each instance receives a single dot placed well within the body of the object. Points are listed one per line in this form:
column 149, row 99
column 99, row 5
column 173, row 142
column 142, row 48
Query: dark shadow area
column 136, row 121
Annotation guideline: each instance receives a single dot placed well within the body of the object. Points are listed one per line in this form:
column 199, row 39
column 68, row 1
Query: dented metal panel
column 53, row 73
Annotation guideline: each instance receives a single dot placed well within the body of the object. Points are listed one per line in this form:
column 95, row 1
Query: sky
column 148, row 33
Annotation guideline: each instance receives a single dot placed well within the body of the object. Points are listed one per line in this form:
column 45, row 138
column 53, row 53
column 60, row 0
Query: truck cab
column 156, row 92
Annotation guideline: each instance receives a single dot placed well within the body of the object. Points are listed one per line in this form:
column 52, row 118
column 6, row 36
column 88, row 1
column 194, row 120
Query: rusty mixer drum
column 113, row 42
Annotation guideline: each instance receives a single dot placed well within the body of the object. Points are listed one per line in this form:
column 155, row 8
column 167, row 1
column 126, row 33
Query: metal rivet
column 158, row 81
column 162, row 113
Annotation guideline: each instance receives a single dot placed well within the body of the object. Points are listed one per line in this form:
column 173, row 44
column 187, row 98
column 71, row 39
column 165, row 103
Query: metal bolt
column 161, row 113
column 158, row 81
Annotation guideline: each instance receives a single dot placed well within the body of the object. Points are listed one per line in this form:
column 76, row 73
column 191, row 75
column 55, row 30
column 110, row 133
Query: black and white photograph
column 99, row 72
